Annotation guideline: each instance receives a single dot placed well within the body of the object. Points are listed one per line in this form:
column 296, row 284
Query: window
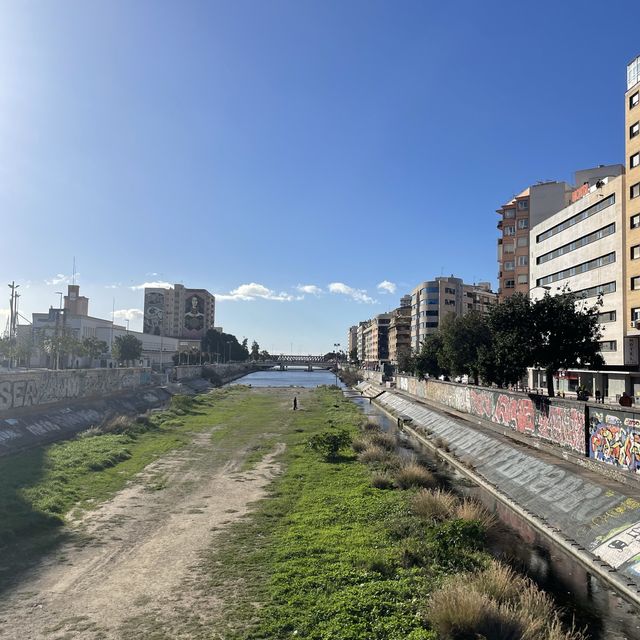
column 449, row 303
column 634, row 190
column 634, row 129
column 509, row 284
column 579, row 268
column 609, row 345
column 523, row 224
column 430, row 325
column 523, row 204
column 523, row 241
column 600, row 290
column 509, row 265
column 509, row 231
column 431, row 312
column 449, row 290
column 606, row 316
column 633, row 100
column 509, row 248
column 635, row 314
column 635, row 221
column 578, row 217
column 634, row 160
column 509, row 213
column 523, row 261
column 576, row 244
column 635, row 283
column 523, row 279
column 635, row 252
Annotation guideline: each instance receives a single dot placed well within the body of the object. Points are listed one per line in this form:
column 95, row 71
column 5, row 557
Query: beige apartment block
column 399, row 334
column 582, row 247
column 632, row 197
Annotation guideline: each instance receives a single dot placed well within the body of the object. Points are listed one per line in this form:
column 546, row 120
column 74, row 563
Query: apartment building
column 632, row 198
column 376, row 341
column 528, row 208
column 360, row 339
column 178, row 312
column 352, row 340
column 582, row 247
column 432, row 300
column 400, row 333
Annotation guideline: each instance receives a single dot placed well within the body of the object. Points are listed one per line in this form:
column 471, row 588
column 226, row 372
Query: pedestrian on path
column 295, row 403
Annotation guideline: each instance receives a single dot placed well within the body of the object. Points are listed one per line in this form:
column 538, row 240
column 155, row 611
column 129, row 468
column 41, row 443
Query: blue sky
column 289, row 156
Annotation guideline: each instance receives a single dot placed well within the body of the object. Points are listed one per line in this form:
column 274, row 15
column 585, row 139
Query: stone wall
column 187, row 371
column 614, row 437
column 33, row 388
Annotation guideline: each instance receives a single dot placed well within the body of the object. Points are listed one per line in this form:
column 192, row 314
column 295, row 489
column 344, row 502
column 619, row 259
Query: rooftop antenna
column 74, row 270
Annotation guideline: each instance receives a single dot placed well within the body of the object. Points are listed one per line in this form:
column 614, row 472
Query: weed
column 470, row 509
column 381, row 481
column 434, row 505
column 413, row 474
column 371, row 426
column 329, row 443
column 384, row 440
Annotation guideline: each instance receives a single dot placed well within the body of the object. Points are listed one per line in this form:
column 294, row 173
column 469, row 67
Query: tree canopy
column 126, row 348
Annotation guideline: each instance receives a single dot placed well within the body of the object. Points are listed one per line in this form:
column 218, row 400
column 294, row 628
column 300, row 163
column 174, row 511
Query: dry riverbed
column 131, row 569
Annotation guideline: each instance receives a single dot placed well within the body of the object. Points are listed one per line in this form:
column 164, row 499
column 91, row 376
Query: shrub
column 91, row 432
column 181, row 403
column 360, row 444
column 435, row 505
column 329, row 443
column 373, row 454
column 383, row 440
column 414, row 475
column 381, row 481
column 371, row 426
column 470, row 509
column 119, row 424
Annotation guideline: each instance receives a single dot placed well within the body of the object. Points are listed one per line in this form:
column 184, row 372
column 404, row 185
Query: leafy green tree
column 466, row 340
column 255, row 351
column 406, row 362
column 264, row 355
column 428, row 359
column 566, row 335
column 511, row 324
column 60, row 345
column 94, row 348
column 126, row 348
column 217, row 345
column 353, row 356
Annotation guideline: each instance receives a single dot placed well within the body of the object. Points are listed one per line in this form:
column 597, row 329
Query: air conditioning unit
column 634, row 324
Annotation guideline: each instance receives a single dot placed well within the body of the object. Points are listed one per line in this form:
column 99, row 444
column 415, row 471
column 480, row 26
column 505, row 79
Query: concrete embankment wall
column 600, row 432
column 42, row 387
column 593, row 518
column 51, row 422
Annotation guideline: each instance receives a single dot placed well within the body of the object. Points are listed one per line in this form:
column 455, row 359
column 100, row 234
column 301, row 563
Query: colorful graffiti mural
column 614, row 438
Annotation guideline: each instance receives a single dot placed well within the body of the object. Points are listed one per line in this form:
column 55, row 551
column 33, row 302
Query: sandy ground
column 136, row 573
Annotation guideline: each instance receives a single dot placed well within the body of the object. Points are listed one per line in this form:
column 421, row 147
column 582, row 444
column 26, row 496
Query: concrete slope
column 598, row 514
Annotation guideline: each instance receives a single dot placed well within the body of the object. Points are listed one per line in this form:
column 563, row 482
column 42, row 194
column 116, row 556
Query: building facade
column 432, row 300
column 376, row 341
column 400, row 334
column 178, row 312
column 528, row 208
column 352, row 341
column 582, row 247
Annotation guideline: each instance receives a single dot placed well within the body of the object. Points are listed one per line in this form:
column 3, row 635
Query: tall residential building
column 400, row 333
column 178, row 312
column 582, row 247
column 360, row 340
column 528, row 208
column 352, row 340
column 376, row 340
column 432, row 300
column 632, row 197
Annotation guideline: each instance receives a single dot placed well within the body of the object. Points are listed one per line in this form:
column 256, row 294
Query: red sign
column 580, row 192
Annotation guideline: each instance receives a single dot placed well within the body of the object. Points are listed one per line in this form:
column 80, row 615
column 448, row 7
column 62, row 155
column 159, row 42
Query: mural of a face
column 194, row 314
column 153, row 312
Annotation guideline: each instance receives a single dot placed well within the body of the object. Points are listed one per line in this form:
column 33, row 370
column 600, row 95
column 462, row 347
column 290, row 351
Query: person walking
column 295, row 403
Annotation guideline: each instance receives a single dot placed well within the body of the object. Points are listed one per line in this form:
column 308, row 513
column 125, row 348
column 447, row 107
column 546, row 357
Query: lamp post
column 229, row 343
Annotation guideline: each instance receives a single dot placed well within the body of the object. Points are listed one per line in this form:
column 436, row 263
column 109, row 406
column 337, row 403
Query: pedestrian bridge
column 308, row 361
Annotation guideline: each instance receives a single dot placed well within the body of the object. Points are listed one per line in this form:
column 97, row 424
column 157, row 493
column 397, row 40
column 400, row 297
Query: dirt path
column 136, row 576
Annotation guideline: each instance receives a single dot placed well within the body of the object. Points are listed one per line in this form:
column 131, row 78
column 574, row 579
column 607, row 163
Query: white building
column 581, row 247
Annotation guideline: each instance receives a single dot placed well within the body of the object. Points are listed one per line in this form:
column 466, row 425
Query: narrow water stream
column 584, row 598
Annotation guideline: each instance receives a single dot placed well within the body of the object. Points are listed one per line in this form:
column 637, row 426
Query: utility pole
column 58, row 340
column 13, row 320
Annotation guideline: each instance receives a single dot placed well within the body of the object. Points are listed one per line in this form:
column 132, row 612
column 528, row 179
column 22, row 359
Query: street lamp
column 229, row 343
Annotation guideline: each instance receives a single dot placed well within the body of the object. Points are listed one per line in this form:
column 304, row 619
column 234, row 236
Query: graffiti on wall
column 614, row 438
column 153, row 312
column 18, row 391
column 562, row 424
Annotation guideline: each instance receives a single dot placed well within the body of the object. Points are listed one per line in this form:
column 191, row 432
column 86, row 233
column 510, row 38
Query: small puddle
column 583, row 597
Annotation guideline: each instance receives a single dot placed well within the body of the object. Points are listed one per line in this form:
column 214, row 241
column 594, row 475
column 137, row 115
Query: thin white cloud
column 309, row 288
column 253, row 291
column 60, row 278
column 387, row 287
column 359, row 295
column 113, row 286
column 151, row 285
column 128, row 314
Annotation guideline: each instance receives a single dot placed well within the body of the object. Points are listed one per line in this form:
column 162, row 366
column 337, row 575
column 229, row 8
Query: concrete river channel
column 585, row 599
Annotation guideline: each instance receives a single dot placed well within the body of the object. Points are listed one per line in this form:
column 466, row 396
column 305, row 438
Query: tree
column 60, row 344
column 466, row 341
column 217, row 345
column 94, row 348
column 566, row 335
column 511, row 324
column 264, row 355
column 255, row 351
column 427, row 361
column 126, row 348
column 406, row 362
column 353, row 356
